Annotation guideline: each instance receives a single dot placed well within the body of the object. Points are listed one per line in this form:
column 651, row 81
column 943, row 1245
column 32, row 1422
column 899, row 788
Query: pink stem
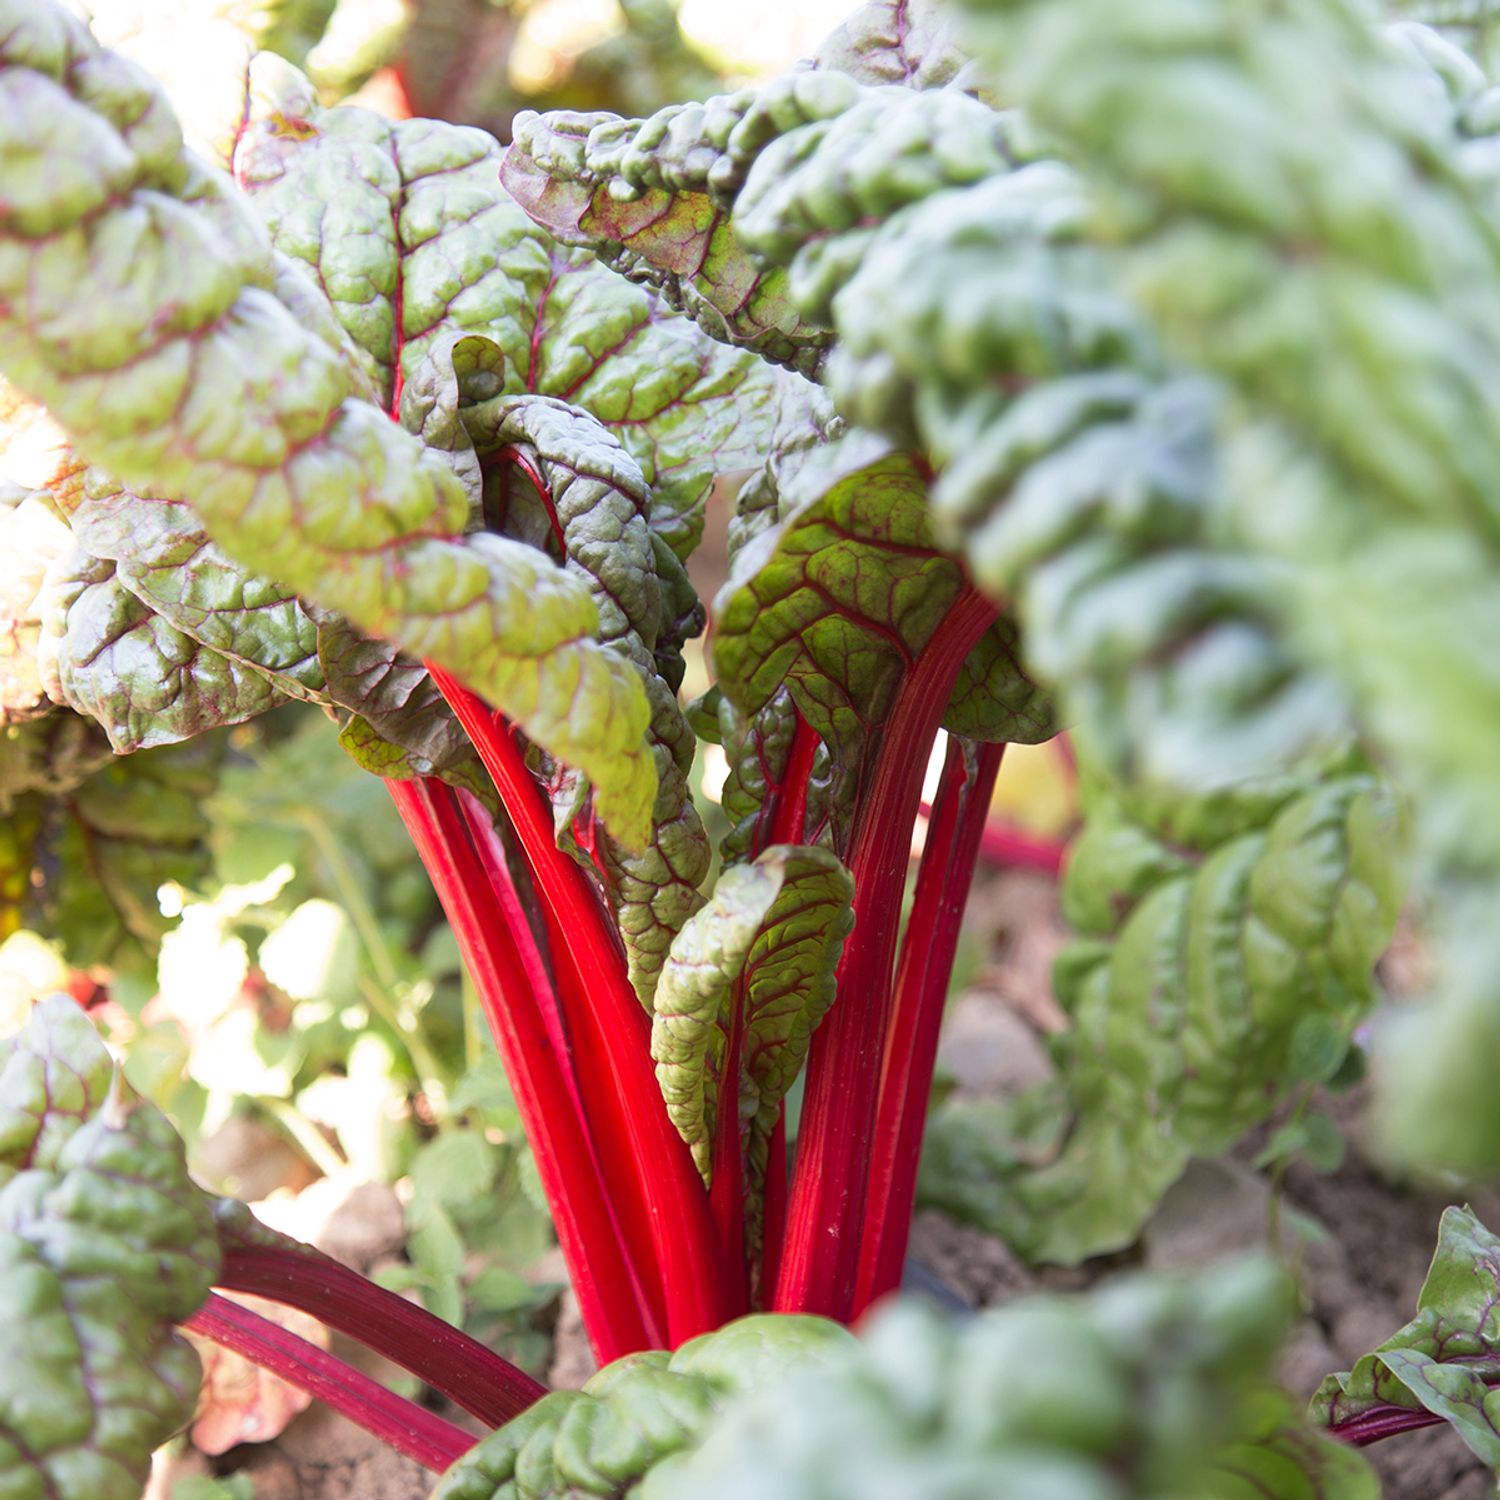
column 1381, row 1422
column 470, row 1375
column 927, row 953
column 422, row 1435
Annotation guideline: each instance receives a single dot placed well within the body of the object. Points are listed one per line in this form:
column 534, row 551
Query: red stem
column 410, row 1429
column 608, row 1289
column 926, row 965
column 727, row 1197
column 611, row 1030
column 775, row 1206
column 1010, row 848
column 788, row 823
column 825, row 1219
column 1381, row 1422
column 626, row 1207
column 470, row 1375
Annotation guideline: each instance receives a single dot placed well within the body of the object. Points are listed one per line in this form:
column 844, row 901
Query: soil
column 1361, row 1243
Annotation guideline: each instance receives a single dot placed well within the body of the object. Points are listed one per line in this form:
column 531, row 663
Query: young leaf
column 1215, row 933
column 231, row 400
column 1443, row 1360
column 1284, row 1455
column 758, row 959
column 105, row 1243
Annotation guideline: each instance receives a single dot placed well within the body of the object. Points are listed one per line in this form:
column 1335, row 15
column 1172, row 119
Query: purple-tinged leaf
column 105, row 1243
column 1445, row 1361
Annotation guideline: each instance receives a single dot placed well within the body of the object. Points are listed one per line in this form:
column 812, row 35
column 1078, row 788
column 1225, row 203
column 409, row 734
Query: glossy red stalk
column 775, row 1208
column 928, row 949
column 826, row 1212
column 587, row 1077
column 610, row 1029
column 422, row 1435
column 470, row 1375
column 727, row 1196
column 615, row 1309
column 788, row 821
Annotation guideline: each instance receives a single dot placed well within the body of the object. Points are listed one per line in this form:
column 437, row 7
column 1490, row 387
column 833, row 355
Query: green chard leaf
column 1358, row 330
column 638, row 1412
column 556, row 478
column 1444, row 1361
column 913, row 43
column 1223, row 940
column 105, row 1243
column 1152, row 1389
column 105, row 654
column 231, row 400
column 92, row 836
column 649, row 198
column 411, row 214
column 1282, row 1454
column 836, row 599
column 750, row 976
column 824, row 187
column 163, row 555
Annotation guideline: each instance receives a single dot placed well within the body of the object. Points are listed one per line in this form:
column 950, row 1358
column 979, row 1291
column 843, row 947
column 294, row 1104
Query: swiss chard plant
column 1123, row 368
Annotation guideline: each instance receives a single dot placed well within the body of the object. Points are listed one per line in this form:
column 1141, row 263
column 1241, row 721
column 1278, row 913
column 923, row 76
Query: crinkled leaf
column 163, row 555
column 104, row 653
column 1445, row 1359
column 1133, row 1393
column 837, row 600
column 231, row 401
column 1339, row 182
column 639, row 194
column 758, row 959
column 401, row 725
column 827, row 184
column 557, row 478
column 758, row 749
column 637, row 1412
column 411, row 215
column 32, row 538
column 1219, row 934
column 907, row 42
column 105, row 1243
